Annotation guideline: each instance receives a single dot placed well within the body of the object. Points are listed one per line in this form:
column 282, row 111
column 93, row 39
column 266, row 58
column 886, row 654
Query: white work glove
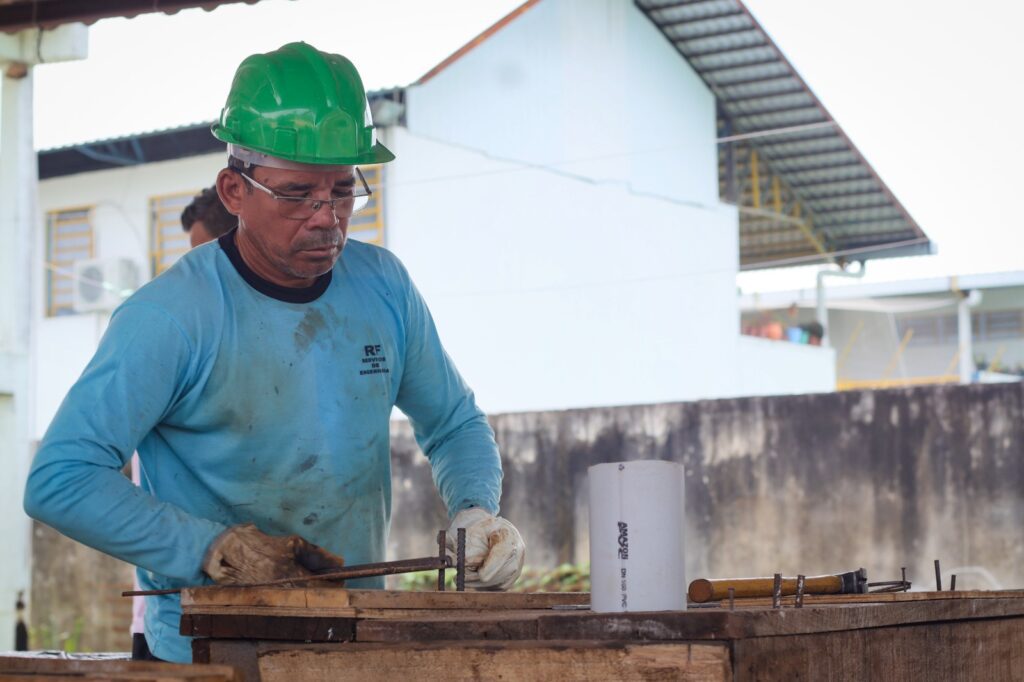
column 245, row 555
column 495, row 550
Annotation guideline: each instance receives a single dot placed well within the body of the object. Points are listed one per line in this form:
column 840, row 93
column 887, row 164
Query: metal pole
column 966, row 338
column 822, row 308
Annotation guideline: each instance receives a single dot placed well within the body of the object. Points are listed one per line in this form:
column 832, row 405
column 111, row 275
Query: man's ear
column 230, row 188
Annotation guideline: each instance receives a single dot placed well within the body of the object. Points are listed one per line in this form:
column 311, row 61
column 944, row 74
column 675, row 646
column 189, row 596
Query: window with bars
column 368, row 224
column 168, row 241
column 993, row 325
column 1002, row 324
column 69, row 238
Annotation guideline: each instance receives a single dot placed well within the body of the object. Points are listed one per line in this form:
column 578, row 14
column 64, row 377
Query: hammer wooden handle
column 704, row 590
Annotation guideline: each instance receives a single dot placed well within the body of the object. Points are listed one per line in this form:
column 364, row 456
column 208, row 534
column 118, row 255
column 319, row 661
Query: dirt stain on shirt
column 311, row 324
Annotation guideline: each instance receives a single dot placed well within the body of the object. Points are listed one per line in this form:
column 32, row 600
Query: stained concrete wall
column 810, row 484
column 72, row 582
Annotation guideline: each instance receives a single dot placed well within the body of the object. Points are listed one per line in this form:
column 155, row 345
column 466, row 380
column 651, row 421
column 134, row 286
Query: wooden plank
column 240, row 654
column 516, row 625
column 332, row 598
column 990, row 649
column 305, row 597
column 31, row 666
column 294, row 611
column 395, row 599
column 700, row 624
column 235, row 626
column 870, row 598
column 554, row 661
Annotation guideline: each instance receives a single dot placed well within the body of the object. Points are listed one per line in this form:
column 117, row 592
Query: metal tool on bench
column 852, row 582
column 440, row 563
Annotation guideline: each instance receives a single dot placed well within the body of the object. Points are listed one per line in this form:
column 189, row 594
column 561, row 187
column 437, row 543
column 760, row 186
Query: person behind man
column 256, row 377
column 206, row 219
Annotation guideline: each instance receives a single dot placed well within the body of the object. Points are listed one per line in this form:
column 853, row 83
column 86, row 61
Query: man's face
column 288, row 252
column 198, row 234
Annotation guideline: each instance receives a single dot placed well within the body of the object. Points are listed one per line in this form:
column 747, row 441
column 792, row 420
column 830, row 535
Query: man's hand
column 495, row 550
column 244, row 554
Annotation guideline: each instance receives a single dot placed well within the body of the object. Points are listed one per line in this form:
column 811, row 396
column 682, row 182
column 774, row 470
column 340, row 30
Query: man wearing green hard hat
column 256, row 377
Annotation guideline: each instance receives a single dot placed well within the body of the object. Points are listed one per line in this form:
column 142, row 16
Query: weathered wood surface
column 722, row 624
column 547, row 661
column 239, row 654
column 30, row 667
column 287, row 623
column 289, row 628
column 960, row 651
column 197, row 599
column 909, row 639
column 869, row 598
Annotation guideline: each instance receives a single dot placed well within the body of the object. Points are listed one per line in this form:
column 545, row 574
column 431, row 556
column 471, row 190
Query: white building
column 574, row 193
column 912, row 332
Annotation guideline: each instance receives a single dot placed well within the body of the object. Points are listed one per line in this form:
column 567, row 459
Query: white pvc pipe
column 637, row 558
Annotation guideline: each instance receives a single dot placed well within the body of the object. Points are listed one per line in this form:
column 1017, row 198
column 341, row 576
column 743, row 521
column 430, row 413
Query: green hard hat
column 301, row 105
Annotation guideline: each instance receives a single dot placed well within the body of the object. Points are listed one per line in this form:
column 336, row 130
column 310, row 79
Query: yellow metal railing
column 867, row 384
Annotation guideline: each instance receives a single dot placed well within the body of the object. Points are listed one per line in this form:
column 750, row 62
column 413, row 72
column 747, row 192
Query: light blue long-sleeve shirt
column 247, row 408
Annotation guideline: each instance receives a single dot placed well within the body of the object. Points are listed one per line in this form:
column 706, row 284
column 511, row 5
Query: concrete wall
column 72, row 583
column 811, row 484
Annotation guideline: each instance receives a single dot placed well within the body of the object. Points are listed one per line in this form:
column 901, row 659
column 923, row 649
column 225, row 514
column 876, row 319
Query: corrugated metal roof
column 16, row 15
column 806, row 194
column 170, row 143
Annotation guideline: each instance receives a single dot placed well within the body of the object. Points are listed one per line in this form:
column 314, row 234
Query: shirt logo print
column 374, row 361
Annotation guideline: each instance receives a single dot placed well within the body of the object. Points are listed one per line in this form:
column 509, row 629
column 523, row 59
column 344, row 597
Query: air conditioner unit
column 102, row 284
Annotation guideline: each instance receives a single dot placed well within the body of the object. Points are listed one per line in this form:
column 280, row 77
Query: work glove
column 244, row 555
column 495, row 550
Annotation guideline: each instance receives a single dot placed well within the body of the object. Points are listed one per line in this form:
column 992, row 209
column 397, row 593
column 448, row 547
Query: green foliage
column 44, row 637
column 425, row 581
column 564, row 578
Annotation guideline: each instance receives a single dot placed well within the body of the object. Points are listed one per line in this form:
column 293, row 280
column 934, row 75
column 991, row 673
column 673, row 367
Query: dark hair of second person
column 205, row 218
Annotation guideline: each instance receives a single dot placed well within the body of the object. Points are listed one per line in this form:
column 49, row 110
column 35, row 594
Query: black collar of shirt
column 268, row 288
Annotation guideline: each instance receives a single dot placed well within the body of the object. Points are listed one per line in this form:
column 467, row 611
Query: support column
column 19, row 220
column 965, row 336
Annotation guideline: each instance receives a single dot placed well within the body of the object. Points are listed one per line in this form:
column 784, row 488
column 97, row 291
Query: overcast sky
column 927, row 89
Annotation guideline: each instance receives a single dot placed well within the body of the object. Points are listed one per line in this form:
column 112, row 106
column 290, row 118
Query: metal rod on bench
column 460, row 560
column 442, row 553
column 429, row 563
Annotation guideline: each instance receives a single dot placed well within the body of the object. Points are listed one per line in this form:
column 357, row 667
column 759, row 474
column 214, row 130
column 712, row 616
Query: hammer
column 705, row 590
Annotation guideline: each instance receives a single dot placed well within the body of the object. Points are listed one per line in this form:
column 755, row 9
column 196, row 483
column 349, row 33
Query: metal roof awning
column 195, row 139
column 16, row 15
column 805, row 193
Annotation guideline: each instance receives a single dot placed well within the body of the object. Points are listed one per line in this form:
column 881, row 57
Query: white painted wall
column 769, row 367
column 555, row 197
column 63, row 345
column 590, row 87
column 551, row 293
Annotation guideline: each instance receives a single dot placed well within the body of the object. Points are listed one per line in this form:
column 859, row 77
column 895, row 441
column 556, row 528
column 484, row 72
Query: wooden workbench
column 334, row 634
column 54, row 666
